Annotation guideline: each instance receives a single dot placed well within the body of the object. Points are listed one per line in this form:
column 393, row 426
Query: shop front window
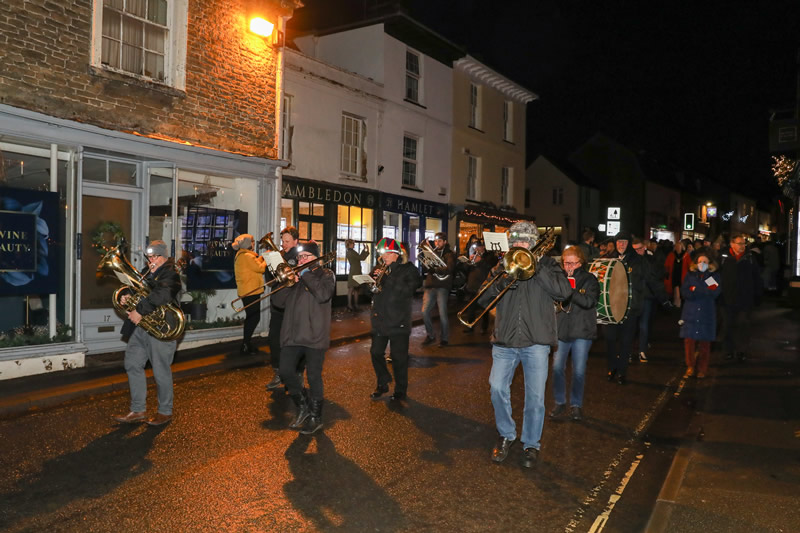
column 212, row 212
column 353, row 223
column 35, row 277
column 465, row 231
column 287, row 213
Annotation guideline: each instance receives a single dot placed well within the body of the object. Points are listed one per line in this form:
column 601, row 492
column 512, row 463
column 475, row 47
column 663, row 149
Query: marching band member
column 354, row 269
column 577, row 328
column 524, row 331
column 391, row 318
column 306, row 333
column 248, row 268
column 437, row 286
column 289, row 240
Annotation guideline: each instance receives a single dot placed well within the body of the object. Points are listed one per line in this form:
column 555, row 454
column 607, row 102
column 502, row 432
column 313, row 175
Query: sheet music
column 363, row 278
column 123, row 278
column 495, row 242
column 273, row 259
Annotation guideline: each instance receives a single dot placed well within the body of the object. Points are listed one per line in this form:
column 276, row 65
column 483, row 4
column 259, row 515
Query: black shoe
column 303, row 411
column 729, row 356
column 575, row 413
column 621, row 379
column 443, row 344
column 558, row 411
column 397, row 396
column 245, row 349
column 500, row 451
column 612, row 374
column 428, row 340
column 380, row 390
column 529, row 457
column 469, row 330
column 314, row 422
column 275, row 383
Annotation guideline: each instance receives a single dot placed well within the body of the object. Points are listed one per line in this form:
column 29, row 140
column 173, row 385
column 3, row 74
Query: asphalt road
column 227, row 462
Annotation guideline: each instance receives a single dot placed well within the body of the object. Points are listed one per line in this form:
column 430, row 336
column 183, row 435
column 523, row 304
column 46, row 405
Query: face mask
column 702, row 267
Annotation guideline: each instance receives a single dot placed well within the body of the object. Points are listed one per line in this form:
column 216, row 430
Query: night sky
column 692, row 84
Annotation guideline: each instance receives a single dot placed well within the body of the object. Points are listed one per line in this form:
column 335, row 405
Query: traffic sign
column 613, row 213
column 688, row 221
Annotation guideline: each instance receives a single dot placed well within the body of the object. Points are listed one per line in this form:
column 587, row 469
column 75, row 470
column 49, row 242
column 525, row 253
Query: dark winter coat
column 354, row 262
column 431, row 281
column 741, row 281
column 164, row 285
column 699, row 313
column 526, row 314
column 640, row 275
column 307, row 315
column 391, row 308
column 290, row 258
column 578, row 320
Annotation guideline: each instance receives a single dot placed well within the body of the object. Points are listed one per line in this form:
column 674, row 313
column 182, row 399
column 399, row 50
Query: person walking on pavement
column 524, row 331
column 306, row 335
column 354, row 269
column 164, row 283
column 248, row 267
column 576, row 319
column 289, row 241
column 675, row 267
column 391, row 318
column 700, row 290
column 619, row 337
column 481, row 263
column 741, row 292
column 437, row 284
column 649, row 302
column 588, row 248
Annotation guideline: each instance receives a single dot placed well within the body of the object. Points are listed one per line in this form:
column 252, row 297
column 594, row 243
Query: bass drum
column 614, row 302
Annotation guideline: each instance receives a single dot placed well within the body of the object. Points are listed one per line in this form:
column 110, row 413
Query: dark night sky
column 690, row 83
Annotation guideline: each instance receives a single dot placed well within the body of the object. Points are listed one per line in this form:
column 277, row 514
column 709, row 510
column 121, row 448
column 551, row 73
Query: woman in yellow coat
column 249, row 269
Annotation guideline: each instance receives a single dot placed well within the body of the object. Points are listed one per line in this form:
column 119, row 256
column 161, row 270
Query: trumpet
column 285, row 276
column 519, row 264
column 430, row 259
column 381, row 273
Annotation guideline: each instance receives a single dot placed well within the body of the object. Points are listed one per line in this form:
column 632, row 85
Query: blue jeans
column 580, row 353
column 438, row 296
column 534, row 368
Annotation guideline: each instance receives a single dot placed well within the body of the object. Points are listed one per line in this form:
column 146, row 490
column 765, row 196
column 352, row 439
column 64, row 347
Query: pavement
column 737, row 468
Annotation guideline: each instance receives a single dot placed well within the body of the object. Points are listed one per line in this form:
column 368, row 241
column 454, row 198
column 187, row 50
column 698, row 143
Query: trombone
column 519, row 264
column 284, row 277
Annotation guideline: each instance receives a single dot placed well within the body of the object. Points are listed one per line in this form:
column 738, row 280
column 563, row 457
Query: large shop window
column 212, row 212
column 34, row 250
column 287, row 216
column 353, row 223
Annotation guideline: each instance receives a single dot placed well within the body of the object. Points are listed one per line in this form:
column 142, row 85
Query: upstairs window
column 143, row 38
column 286, row 128
column 352, row 144
column 505, row 186
column 472, row 177
column 558, row 196
column 474, row 106
column 410, row 160
column 508, row 121
column 413, row 76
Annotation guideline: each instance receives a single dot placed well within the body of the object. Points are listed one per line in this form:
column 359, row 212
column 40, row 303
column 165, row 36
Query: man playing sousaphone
column 524, row 331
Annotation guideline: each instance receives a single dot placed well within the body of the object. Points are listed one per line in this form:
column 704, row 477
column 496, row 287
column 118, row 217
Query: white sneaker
column 642, row 357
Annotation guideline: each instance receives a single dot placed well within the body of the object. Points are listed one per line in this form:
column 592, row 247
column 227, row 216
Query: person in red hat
column 394, row 290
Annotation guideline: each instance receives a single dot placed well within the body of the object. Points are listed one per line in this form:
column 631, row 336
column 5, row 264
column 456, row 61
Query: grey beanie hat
column 245, row 241
column 157, row 248
column 523, row 230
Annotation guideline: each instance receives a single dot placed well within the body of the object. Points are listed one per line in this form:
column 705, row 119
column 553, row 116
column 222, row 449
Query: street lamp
column 261, row 27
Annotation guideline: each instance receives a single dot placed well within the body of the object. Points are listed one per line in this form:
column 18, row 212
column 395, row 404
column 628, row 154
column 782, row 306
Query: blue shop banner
column 28, row 251
column 393, row 202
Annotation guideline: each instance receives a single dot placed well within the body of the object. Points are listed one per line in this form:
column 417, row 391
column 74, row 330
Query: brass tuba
column 166, row 322
column 430, row 259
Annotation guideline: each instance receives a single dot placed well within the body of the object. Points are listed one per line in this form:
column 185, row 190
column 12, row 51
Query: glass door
column 311, row 224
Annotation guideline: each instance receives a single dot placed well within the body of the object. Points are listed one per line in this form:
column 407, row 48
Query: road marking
column 615, row 462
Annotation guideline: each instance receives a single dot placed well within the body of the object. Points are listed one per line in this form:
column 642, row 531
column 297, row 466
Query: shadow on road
column 334, row 492
column 91, row 472
column 282, row 411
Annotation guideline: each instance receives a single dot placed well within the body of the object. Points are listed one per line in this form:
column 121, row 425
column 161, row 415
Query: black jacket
column 642, row 281
column 307, row 315
column 290, row 258
column 391, row 308
column 741, row 281
column 164, row 285
column 578, row 320
column 432, row 281
column 526, row 314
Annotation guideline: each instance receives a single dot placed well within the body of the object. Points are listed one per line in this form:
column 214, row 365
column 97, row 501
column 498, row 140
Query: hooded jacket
column 391, row 308
column 699, row 313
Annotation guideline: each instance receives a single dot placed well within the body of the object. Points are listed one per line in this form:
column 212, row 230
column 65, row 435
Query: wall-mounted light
column 264, row 28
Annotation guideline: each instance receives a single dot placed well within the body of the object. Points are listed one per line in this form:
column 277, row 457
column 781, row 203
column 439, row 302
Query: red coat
column 669, row 263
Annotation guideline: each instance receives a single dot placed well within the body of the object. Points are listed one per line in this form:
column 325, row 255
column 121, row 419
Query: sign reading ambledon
column 311, row 191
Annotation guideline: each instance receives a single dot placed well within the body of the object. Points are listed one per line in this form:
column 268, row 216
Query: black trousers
column 252, row 316
column 737, row 327
column 275, row 323
column 290, row 357
column 399, row 351
column 619, row 344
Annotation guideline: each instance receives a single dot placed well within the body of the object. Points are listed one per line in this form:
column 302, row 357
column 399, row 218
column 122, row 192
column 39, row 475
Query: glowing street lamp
column 261, row 27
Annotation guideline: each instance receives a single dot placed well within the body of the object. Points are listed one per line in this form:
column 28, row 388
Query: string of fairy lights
column 782, row 168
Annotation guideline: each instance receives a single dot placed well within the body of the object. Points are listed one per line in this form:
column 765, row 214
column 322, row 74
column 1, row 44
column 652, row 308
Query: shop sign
column 312, row 191
column 28, row 250
column 392, row 202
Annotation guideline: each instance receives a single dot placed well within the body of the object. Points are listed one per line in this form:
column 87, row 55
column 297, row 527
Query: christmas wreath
column 99, row 242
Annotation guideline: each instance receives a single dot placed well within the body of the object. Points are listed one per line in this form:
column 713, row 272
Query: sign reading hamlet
column 29, row 242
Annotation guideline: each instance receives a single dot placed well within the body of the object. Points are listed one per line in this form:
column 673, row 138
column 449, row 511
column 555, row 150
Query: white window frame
column 474, row 106
column 558, row 196
column 174, row 47
column 286, row 127
column 351, row 155
column 506, row 185
column 508, row 121
column 416, row 76
column 415, row 161
column 473, row 170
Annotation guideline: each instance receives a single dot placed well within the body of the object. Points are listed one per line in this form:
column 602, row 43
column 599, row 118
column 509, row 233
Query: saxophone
column 166, row 322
